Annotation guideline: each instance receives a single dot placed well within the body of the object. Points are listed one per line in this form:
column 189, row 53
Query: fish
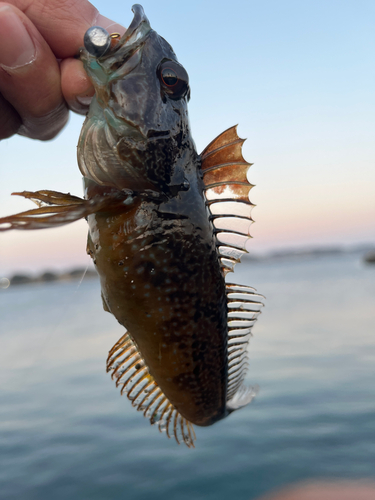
column 166, row 225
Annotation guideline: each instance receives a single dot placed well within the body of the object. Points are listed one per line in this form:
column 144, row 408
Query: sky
column 299, row 79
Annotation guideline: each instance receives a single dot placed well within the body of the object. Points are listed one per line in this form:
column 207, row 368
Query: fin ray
column 242, row 314
column 56, row 209
column 223, row 139
column 227, row 195
column 131, row 372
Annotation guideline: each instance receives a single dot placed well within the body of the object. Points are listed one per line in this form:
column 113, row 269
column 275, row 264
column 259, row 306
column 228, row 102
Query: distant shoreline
column 366, row 250
column 367, row 253
column 48, row 277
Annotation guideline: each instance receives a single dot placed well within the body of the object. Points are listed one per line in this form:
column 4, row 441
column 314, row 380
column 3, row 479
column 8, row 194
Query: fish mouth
column 101, row 46
column 139, row 27
column 108, row 58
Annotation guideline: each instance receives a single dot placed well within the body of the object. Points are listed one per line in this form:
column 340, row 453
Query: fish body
column 161, row 279
column 165, row 226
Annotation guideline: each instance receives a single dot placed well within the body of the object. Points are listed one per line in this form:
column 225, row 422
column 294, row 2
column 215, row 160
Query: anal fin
column 132, row 375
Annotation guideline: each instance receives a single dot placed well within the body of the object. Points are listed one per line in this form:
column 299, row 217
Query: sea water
column 65, row 432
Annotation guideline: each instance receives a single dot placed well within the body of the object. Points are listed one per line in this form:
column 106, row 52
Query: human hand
column 326, row 490
column 40, row 78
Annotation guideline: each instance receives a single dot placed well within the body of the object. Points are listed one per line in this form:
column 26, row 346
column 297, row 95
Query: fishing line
column 80, row 281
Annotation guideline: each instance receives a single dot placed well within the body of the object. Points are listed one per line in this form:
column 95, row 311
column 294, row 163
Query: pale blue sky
column 299, row 79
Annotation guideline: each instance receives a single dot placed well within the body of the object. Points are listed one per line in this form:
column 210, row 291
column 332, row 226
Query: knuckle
column 45, row 127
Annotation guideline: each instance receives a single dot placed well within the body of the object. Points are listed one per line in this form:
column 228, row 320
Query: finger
column 10, row 120
column 30, row 76
column 76, row 85
column 63, row 23
column 335, row 490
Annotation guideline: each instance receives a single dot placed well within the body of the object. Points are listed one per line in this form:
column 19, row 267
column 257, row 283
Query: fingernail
column 84, row 100
column 16, row 46
column 86, row 97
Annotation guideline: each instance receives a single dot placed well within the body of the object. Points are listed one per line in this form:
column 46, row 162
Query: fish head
column 139, row 112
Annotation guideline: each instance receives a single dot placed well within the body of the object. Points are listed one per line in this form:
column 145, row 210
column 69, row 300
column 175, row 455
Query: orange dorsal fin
column 227, row 195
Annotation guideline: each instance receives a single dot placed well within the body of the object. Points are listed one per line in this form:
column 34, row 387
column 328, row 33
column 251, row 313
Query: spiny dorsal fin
column 131, row 373
column 244, row 307
column 227, row 195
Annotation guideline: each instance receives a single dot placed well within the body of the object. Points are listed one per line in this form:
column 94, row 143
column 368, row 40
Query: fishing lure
column 165, row 227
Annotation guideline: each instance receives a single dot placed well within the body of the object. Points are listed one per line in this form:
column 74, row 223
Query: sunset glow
column 303, row 97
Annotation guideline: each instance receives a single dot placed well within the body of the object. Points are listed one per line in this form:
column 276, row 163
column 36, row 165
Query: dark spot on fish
column 197, row 314
column 155, row 133
column 197, row 357
column 121, row 263
column 138, row 366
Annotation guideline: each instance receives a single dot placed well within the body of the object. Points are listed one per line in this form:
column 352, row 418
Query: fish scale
column 165, row 227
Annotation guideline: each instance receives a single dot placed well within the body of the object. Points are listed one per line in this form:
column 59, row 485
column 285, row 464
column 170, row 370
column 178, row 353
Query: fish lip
column 134, row 36
column 136, row 24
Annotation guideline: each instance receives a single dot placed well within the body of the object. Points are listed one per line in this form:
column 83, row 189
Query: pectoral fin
column 56, row 209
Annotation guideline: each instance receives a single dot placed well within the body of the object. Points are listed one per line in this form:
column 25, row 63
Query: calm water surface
column 65, row 432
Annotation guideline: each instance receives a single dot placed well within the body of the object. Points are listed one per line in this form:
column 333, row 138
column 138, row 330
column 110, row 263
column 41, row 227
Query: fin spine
column 224, row 184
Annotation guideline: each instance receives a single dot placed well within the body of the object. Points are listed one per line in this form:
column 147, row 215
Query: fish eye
column 97, row 41
column 169, row 77
column 174, row 79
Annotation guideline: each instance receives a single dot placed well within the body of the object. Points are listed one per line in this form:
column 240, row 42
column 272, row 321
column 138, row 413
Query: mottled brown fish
column 165, row 226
